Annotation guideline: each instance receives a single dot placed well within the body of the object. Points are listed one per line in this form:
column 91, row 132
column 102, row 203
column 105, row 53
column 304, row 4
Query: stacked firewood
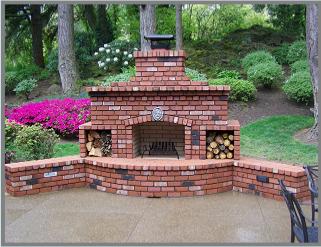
column 99, row 144
column 219, row 146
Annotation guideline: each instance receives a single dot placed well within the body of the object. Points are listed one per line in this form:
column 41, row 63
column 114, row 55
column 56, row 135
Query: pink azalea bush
column 63, row 115
column 7, row 111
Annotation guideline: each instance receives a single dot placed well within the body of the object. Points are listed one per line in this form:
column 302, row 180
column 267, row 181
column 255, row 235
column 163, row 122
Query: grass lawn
column 272, row 138
column 269, row 138
column 66, row 149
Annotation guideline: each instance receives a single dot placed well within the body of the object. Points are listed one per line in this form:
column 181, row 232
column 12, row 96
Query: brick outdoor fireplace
column 160, row 105
column 163, row 135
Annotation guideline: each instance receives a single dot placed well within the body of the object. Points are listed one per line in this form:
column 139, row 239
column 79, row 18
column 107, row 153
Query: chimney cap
column 158, row 37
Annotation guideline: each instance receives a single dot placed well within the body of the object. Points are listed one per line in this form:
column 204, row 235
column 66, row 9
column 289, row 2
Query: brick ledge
column 246, row 162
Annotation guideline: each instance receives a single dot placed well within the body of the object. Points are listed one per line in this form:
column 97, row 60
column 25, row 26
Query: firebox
column 160, row 111
column 158, row 139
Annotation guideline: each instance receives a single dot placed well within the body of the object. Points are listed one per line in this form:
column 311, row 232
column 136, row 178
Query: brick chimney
column 160, row 67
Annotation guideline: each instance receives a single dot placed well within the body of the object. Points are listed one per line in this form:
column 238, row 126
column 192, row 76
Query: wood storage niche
column 219, row 144
column 99, row 143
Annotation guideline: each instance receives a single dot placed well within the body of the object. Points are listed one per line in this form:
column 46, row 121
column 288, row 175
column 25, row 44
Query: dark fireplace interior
column 162, row 138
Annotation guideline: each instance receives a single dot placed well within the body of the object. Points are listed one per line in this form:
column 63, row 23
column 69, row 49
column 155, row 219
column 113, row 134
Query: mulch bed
column 268, row 103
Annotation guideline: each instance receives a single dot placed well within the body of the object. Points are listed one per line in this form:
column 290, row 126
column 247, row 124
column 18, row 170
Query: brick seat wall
column 155, row 178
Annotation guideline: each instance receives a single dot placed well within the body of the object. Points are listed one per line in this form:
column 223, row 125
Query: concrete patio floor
column 88, row 216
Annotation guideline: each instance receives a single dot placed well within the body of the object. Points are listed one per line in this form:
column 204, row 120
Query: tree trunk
column 147, row 25
column 66, row 53
column 312, row 48
column 36, row 33
column 104, row 30
column 179, row 29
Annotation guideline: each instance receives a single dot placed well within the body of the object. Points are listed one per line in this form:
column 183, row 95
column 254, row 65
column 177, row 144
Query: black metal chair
column 299, row 229
column 312, row 174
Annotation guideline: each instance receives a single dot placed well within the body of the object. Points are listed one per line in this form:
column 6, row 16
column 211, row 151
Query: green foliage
column 265, row 74
column 241, row 90
column 299, row 88
column 272, row 138
column 34, row 142
column 84, row 48
column 213, row 57
column 289, row 18
column 86, row 83
column 255, row 58
column 121, row 77
column 166, row 19
column 208, row 22
column 300, row 65
column 297, row 51
column 25, row 87
column 280, row 53
column 52, row 61
column 195, row 75
column 11, row 130
column 125, row 21
column 229, row 74
column 14, row 75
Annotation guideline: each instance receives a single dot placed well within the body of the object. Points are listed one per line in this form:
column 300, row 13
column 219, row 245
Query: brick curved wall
column 150, row 178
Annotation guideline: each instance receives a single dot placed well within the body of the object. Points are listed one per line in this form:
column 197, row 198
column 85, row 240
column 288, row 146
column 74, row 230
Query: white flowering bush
column 115, row 55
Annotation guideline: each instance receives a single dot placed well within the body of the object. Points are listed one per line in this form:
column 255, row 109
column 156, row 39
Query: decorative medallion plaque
column 157, row 113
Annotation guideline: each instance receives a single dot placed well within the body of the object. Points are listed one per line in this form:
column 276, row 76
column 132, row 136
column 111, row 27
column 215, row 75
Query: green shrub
column 44, row 74
column 34, row 142
column 280, row 53
column 241, row 90
column 297, row 51
column 298, row 87
column 265, row 74
column 18, row 74
column 195, row 75
column 25, row 87
column 11, row 130
column 300, row 65
column 255, row 58
column 229, row 74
